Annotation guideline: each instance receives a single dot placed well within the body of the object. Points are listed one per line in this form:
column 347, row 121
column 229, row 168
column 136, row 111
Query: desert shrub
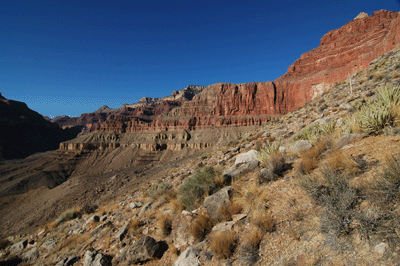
column 309, row 158
column 376, row 115
column 388, row 184
column 268, row 150
column 201, row 226
column 164, row 224
column 223, row 244
column 68, row 215
column 332, row 191
column 249, row 247
column 314, row 132
column 263, row 220
column 275, row 167
column 4, row 243
column 196, row 188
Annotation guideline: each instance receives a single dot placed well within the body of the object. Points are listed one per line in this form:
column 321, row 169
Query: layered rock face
column 341, row 53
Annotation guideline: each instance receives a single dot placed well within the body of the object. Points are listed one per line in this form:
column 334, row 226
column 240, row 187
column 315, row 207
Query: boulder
column 145, row 249
column 92, row 258
column 216, row 201
column 237, row 171
column 246, row 157
column 18, row 247
column 69, row 261
column 122, row 232
column 188, row 258
column 300, row 146
column 349, row 138
column 49, row 244
column 31, row 255
column 180, row 230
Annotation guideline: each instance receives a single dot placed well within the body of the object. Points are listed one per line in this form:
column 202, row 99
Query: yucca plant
column 268, row 150
column 385, row 111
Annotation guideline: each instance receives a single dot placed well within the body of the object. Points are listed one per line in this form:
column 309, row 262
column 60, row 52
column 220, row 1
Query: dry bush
column 223, row 244
column 164, row 224
column 309, row 158
column 250, row 197
column 338, row 161
column 69, row 215
column 107, row 209
column 71, row 242
column 50, row 226
column 134, row 225
column 176, row 206
column 276, row 166
column 201, row 226
column 249, row 247
column 263, row 220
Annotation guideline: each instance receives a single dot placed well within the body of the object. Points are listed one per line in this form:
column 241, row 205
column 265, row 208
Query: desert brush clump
column 268, row 149
column 374, row 116
column 263, row 220
column 200, row 226
column 203, row 183
column 331, row 190
column 164, row 224
column 68, row 215
column 310, row 158
column 223, row 244
column 249, row 247
column 316, row 131
column 275, row 167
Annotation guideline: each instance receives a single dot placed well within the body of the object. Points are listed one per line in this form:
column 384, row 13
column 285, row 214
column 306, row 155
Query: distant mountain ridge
column 24, row 132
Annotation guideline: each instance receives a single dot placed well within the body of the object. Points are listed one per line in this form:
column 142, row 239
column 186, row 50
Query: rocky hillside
column 317, row 186
column 24, row 132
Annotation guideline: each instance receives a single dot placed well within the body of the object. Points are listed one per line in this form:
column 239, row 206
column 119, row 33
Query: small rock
column 381, row 248
column 49, row 244
column 145, row 208
column 134, row 205
column 145, row 249
column 96, row 259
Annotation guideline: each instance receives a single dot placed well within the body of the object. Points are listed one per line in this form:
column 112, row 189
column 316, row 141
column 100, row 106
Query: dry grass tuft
column 164, row 224
column 134, row 225
column 263, row 220
column 309, row 158
column 223, row 244
column 201, row 226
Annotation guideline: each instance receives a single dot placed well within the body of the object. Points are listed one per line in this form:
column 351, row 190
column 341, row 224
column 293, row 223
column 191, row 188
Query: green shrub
column 376, row 115
column 196, row 188
column 68, row 215
column 314, row 132
column 268, row 150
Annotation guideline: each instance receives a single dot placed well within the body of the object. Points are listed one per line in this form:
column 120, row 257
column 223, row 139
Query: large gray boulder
column 18, row 247
column 92, row 258
column 349, row 138
column 188, row 258
column 300, row 146
column 216, row 201
column 246, row 157
column 180, row 233
column 145, row 249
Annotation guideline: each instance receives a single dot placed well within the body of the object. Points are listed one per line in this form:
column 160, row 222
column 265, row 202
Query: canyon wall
column 341, row 53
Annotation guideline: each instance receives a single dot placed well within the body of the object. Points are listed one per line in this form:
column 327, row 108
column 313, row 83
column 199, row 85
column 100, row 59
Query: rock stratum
column 342, row 52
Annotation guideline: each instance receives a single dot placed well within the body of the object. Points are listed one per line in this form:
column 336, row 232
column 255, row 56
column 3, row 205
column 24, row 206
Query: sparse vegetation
column 201, row 226
column 196, row 188
column 68, row 215
column 223, row 244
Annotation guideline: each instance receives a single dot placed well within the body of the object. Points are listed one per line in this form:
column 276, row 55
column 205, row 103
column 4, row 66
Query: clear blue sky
column 71, row 57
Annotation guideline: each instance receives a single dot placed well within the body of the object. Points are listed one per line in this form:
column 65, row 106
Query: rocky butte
column 342, row 52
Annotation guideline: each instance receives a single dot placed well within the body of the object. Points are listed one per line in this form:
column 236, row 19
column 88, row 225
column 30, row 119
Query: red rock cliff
column 341, row 52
